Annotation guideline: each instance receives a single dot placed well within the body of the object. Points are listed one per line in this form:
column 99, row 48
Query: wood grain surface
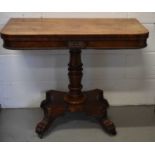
column 100, row 33
column 29, row 26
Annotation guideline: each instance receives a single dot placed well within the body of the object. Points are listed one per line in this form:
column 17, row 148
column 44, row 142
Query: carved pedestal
column 90, row 102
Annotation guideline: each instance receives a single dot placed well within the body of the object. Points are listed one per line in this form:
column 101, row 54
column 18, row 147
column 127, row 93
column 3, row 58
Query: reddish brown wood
column 90, row 102
column 75, row 96
column 57, row 33
column 94, row 105
column 74, row 34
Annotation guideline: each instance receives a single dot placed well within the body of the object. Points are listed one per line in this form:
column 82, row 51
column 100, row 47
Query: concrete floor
column 134, row 123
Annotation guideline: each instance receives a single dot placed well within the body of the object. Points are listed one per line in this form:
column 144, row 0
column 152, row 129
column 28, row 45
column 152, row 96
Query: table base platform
column 94, row 105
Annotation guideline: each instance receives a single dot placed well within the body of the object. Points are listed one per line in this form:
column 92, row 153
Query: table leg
column 75, row 96
column 90, row 102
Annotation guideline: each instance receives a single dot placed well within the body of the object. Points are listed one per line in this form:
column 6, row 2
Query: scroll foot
column 108, row 126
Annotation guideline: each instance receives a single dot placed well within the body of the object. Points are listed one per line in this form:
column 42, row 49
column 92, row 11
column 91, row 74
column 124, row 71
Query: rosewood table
column 74, row 34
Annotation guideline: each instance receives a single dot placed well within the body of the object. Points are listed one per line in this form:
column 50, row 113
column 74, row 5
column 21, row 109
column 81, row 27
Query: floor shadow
column 126, row 116
column 17, row 121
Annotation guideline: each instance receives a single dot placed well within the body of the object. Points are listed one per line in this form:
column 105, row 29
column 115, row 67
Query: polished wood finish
column 94, row 105
column 27, row 33
column 83, row 26
column 75, row 96
column 74, row 34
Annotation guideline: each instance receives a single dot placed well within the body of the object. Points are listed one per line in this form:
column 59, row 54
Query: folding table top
column 59, row 32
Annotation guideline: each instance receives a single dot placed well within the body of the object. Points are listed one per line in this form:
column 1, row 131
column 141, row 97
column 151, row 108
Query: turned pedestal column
column 90, row 102
column 75, row 95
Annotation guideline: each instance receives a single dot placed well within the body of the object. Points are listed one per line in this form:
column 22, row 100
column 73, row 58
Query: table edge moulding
column 74, row 34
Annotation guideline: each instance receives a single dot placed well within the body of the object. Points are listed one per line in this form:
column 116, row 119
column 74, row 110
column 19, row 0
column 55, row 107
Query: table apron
column 101, row 44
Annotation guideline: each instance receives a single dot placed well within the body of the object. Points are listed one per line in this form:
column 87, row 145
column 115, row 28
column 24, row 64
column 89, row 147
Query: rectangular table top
column 88, row 33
